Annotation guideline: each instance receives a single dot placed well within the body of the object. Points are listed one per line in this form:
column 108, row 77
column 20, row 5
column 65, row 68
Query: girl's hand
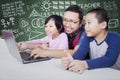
column 22, row 46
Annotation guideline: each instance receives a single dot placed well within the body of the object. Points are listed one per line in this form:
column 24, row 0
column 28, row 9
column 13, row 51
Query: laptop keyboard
column 26, row 56
column 27, row 59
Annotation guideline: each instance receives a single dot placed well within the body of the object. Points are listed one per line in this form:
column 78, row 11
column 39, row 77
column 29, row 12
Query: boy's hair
column 58, row 22
column 77, row 9
column 101, row 15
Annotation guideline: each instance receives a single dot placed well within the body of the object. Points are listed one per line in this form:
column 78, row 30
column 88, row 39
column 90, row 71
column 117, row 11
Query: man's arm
column 60, row 53
column 52, row 53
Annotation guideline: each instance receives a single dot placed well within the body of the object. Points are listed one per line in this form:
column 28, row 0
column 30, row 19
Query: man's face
column 71, row 21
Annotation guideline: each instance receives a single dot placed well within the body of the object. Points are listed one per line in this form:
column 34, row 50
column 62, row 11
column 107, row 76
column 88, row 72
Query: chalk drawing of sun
column 46, row 5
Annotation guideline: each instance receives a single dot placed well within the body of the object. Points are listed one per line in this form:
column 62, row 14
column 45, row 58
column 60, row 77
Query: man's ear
column 103, row 24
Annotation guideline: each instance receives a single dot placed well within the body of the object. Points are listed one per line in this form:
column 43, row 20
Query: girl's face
column 92, row 27
column 50, row 29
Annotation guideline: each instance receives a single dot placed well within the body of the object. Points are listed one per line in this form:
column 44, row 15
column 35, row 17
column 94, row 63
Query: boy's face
column 71, row 22
column 92, row 27
column 51, row 29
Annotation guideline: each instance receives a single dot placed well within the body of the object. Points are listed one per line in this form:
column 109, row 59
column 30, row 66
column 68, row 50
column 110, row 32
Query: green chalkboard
column 26, row 17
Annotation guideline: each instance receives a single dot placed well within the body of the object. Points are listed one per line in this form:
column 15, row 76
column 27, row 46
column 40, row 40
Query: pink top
column 61, row 42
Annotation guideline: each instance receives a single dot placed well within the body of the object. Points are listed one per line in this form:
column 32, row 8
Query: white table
column 11, row 69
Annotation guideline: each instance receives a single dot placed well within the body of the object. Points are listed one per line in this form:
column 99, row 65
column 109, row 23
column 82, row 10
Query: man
column 72, row 22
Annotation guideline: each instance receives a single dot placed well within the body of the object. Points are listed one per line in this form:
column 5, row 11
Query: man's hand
column 44, row 45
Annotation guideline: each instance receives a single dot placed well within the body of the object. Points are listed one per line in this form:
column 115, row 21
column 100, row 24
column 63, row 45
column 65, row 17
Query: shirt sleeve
column 83, row 47
column 110, row 57
column 38, row 41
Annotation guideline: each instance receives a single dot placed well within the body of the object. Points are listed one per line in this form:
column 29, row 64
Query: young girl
column 54, row 39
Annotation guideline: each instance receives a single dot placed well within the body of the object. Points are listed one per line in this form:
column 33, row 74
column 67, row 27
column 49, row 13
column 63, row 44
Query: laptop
column 22, row 56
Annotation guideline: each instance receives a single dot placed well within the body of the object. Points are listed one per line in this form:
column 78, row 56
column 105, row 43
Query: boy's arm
column 110, row 56
column 106, row 61
column 83, row 49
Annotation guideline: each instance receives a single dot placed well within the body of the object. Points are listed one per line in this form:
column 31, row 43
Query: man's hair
column 101, row 15
column 76, row 9
column 58, row 22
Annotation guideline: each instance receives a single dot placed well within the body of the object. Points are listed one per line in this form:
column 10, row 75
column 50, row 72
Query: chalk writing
column 13, row 9
column 89, row 5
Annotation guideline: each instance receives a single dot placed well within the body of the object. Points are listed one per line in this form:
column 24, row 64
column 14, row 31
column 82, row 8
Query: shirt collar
column 76, row 32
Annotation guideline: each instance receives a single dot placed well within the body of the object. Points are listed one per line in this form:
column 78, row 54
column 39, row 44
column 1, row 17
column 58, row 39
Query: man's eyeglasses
column 70, row 21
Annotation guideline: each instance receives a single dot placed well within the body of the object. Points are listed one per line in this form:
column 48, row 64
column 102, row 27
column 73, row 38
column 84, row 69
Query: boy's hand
column 67, row 60
column 73, row 65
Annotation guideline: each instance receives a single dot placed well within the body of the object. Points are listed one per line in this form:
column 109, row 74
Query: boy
column 103, row 46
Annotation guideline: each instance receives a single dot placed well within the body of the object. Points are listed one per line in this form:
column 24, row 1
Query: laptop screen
column 9, row 38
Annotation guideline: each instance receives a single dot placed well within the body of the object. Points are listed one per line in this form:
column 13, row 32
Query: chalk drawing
column 12, row 20
column 37, row 23
column 8, row 22
column 23, row 23
column 110, row 5
column 3, row 23
column 113, row 23
column 34, row 13
column 55, row 5
column 46, row 5
column 73, row 2
column 61, row 5
column 36, row 34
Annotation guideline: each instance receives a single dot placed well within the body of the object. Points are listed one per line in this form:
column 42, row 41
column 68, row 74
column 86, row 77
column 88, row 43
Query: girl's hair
column 101, row 15
column 58, row 22
column 76, row 9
